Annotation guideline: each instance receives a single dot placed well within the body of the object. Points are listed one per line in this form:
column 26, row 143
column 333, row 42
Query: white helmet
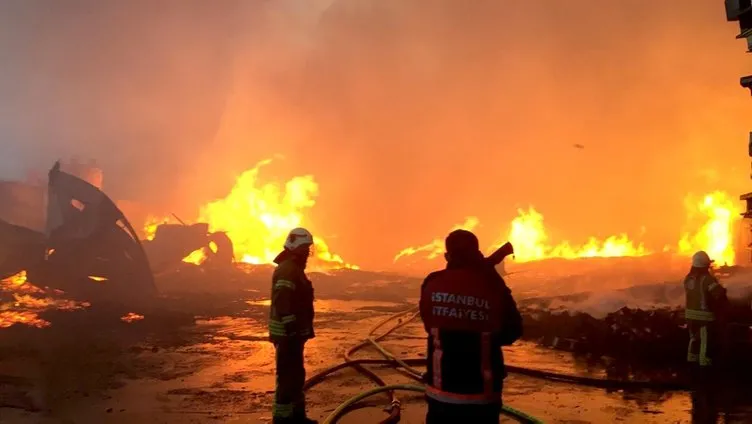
column 701, row 260
column 298, row 237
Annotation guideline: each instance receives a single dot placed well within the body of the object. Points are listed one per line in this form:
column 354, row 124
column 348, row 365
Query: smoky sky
column 410, row 114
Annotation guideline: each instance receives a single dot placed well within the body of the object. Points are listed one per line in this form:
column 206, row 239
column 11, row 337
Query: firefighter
column 290, row 326
column 706, row 301
column 468, row 313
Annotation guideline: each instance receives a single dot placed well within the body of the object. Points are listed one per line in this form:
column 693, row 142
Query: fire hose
column 406, row 366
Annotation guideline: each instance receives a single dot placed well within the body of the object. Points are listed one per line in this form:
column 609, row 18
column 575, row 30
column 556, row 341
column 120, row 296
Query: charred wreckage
column 86, row 247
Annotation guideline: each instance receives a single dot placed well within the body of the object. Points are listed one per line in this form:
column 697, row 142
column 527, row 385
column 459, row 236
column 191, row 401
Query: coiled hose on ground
column 406, row 366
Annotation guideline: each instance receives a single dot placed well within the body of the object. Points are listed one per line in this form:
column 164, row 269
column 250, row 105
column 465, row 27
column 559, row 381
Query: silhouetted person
column 290, row 326
column 468, row 313
column 706, row 307
column 706, row 302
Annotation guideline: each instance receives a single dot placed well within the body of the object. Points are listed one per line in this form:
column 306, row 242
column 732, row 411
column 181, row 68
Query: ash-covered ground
column 200, row 353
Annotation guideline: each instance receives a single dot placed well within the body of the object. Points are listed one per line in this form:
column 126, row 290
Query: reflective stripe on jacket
column 469, row 314
column 702, row 295
column 291, row 312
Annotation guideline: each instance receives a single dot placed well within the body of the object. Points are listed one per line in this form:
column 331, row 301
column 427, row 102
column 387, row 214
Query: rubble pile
column 652, row 338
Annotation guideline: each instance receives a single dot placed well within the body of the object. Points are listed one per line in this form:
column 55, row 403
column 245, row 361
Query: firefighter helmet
column 298, row 237
column 701, row 260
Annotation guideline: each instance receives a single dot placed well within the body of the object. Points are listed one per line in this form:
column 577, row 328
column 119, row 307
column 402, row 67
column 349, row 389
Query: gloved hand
column 501, row 253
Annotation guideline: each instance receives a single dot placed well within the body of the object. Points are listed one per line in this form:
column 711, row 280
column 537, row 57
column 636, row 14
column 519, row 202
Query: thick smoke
column 410, row 115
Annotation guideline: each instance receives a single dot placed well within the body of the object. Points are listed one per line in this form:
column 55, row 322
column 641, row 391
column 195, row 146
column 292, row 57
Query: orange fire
column 131, row 317
column 150, row 227
column 28, row 302
column 715, row 216
column 197, row 257
column 257, row 218
column 528, row 235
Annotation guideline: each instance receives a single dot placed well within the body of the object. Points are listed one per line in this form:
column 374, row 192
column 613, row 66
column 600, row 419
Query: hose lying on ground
column 337, row 413
column 406, row 366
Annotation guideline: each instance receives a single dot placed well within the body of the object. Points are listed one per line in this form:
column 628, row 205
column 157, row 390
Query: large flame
column 713, row 218
column 715, row 215
column 528, row 235
column 257, row 218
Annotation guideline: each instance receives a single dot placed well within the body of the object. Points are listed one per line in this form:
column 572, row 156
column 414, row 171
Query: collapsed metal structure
column 87, row 247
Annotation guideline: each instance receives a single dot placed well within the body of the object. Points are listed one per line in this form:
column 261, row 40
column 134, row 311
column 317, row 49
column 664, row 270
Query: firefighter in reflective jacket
column 468, row 313
column 291, row 325
column 706, row 300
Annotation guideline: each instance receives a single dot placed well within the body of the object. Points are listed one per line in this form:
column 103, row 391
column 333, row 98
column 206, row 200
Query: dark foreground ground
column 90, row 367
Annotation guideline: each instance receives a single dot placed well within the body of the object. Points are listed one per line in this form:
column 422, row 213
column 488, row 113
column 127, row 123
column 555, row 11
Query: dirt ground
column 167, row 369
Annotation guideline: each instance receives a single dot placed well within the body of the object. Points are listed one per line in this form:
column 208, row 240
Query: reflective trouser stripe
column 485, row 362
column 697, row 352
column 436, row 357
column 283, row 410
column 704, row 360
column 698, row 315
column 289, row 399
column 462, row 399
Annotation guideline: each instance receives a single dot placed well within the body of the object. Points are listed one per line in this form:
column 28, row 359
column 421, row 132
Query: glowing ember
column 257, row 218
column 31, row 319
column 716, row 215
column 197, row 257
column 97, row 279
column 150, row 227
column 131, row 317
column 18, row 284
column 28, row 301
column 528, row 235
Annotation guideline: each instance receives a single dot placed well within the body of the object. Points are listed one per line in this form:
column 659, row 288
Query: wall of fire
column 741, row 11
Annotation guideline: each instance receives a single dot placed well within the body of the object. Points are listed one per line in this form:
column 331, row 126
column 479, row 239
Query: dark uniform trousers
column 447, row 413
column 289, row 399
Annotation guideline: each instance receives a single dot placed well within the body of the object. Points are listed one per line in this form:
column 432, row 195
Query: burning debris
column 131, row 317
column 22, row 302
column 87, row 235
column 257, row 217
column 172, row 244
column 649, row 338
column 87, row 250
